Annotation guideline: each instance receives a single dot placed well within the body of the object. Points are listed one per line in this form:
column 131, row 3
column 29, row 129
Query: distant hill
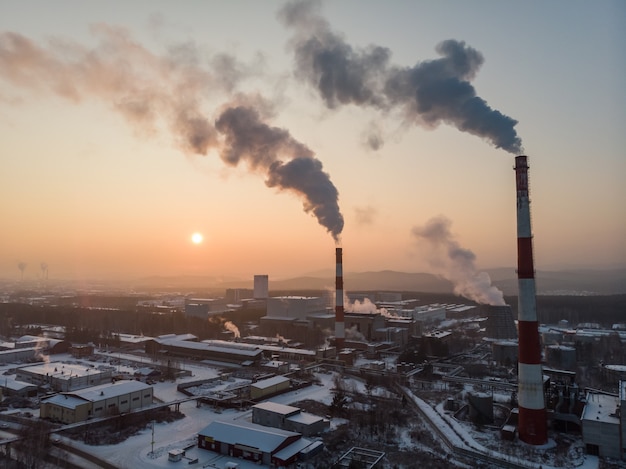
column 571, row 282
column 574, row 281
column 383, row 280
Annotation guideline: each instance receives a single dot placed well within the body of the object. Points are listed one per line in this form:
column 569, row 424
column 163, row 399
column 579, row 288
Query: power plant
column 340, row 330
column 533, row 428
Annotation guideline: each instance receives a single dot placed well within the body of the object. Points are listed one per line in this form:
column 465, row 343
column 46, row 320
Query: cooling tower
column 532, row 424
column 340, row 333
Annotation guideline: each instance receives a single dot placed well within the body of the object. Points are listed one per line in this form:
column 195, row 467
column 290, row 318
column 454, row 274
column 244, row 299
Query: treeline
column 605, row 310
column 84, row 324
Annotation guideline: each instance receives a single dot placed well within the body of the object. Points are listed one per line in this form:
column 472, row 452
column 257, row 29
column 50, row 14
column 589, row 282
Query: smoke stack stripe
column 532, row 409
column 340, row 333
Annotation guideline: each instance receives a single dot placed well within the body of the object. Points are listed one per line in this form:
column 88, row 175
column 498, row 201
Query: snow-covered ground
column 149, row 449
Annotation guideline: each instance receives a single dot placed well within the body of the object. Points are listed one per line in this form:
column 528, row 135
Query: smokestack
column 532, row 409
column 340, row 333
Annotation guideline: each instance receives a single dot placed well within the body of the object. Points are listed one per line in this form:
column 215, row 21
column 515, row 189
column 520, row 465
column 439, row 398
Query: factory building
column 263, row 445
column 97, row 401
column 504, row 352
column 38, row 343
column 64, row 377
column 12, row 387
column 20, row 355
column 237, row 295
column 205, row 307
column 215, row 350
column 561, row 357
column 429, row 314
column 295, row 307
column 297, row 316
column 601, row 425
column 285, row 417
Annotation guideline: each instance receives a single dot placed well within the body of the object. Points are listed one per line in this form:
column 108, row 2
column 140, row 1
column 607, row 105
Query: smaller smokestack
column 340, row 332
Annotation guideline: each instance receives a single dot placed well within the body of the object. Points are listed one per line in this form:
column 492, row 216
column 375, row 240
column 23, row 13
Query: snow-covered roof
column 265, row 439
column 65, row 400
column 601, row 408
column 18, row 350
column 269, row 382
column 214, row 345
column 60, row 370
column 14, row 385
column 276, row 408
column 304, row 418
column 294, row 448
column 108, row 391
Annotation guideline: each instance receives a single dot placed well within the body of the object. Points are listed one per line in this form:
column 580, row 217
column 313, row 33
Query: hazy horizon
column 279, row 130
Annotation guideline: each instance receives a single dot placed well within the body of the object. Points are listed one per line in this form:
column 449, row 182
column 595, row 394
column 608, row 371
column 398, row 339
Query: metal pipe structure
column 340, row 333
column 532, row 424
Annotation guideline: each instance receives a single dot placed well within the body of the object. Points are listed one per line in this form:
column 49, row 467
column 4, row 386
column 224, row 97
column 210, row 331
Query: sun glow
column 197, row 238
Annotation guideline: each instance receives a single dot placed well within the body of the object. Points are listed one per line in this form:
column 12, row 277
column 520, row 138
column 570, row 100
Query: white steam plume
column 455, row 263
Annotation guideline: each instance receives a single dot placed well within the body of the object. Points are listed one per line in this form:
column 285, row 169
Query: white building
column 64, row 376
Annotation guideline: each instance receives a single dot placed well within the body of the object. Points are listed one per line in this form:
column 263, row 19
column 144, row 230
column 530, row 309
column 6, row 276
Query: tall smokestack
column 340, row 333
column 532, row 409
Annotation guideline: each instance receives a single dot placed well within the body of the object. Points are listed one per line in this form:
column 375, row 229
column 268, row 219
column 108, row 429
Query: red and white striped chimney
column 340, row 332
column 532, row 425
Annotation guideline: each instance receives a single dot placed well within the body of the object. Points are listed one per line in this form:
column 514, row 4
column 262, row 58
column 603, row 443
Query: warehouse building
column 97, row 401
column 285, row 417
column 263, row 445
column 269, row 387
column 215, row 350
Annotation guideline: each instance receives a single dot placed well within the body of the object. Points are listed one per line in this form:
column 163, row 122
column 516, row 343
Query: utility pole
column 152, row 451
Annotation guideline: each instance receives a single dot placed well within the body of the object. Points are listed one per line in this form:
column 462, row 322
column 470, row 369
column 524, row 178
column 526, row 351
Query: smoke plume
column 456, row 264
column 230, row 326
column 428, row 93
column 248, row 138
column 146, row 89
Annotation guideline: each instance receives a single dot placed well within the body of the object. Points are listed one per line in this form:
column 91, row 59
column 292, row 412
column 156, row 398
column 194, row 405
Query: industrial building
column 63, row 377
column 97, row 401
column 205, row 307
column 12, row 387
column 285, row 417
column 20, row 355
column 268, row 387
column 602, row 424
column 216, row 350
column 264, row 445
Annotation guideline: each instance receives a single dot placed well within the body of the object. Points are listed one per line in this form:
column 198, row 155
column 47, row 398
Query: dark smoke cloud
column 146, row 88
column 429, row 93
column 455, row 263
column 260, row 146
column 138, row 84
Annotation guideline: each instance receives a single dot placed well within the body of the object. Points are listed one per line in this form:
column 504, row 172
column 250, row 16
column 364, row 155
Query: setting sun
column 196, row 238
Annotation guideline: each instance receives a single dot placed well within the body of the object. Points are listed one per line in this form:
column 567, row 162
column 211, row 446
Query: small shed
column 175, row 455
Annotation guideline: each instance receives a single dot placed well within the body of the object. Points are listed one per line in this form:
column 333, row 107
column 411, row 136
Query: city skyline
column 129, row 128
